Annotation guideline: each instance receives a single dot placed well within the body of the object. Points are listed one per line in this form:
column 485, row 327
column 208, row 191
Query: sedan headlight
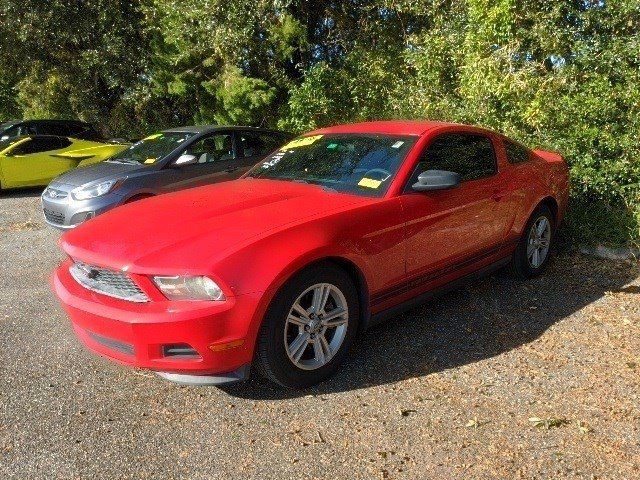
column 189, row 288
column 86, row 192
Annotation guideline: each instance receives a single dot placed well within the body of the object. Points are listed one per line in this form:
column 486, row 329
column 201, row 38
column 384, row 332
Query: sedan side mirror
column 185, row 159
column 436, row 180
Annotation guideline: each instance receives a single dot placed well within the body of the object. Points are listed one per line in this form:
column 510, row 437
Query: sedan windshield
column 151, row 149
column 352, row 163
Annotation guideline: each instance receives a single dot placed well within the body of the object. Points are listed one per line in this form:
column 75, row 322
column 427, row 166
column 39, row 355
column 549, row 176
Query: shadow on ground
column 491, row 317
column 22, row 192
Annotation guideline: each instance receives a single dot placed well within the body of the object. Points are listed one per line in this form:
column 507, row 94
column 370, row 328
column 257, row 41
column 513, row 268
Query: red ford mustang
column 282, row 268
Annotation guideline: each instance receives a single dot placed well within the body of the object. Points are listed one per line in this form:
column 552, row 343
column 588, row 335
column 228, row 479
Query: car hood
column 98, row 171
column 185, row 231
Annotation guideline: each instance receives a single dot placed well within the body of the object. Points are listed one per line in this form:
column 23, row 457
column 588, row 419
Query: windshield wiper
column 125, row 161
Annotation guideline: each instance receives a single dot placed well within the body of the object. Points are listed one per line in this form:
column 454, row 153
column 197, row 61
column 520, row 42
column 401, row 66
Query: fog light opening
column 182, row 350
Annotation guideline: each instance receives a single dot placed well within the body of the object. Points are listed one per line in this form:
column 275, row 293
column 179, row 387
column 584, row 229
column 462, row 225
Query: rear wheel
column 308, row 328
column 532, row 253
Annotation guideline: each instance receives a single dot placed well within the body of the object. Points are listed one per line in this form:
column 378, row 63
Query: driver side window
column 471, row 155
column 214, row 148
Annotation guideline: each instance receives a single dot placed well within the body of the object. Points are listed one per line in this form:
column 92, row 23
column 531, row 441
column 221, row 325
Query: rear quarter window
column 516, row 153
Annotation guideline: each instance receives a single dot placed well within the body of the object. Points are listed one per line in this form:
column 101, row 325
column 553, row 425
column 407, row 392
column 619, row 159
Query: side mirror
column 4, row 137
column 185, row 159
column 436, row 180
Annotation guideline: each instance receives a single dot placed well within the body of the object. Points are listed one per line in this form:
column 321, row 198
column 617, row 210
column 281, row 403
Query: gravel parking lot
column 503, row 379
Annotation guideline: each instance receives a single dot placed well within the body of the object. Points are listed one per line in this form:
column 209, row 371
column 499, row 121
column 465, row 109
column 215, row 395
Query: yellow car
column 35, row 160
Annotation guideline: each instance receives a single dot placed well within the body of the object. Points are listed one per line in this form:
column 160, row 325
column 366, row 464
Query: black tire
column 521, row 266
column 271, row 358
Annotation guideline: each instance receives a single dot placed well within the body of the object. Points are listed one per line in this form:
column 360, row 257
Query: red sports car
column 282, row 268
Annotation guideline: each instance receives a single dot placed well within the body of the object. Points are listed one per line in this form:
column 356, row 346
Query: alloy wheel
column 538, row 242
column 316, row 326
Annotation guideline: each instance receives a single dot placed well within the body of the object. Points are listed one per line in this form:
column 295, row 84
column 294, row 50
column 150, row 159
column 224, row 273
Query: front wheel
column 532, row 253
column 308, row 328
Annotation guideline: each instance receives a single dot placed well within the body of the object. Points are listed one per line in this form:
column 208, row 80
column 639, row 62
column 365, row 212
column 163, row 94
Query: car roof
column 22, row 137
column 387, row 127
column 198, row 129
column 52, row 120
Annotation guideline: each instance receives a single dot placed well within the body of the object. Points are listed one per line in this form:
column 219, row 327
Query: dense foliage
column 561, row 75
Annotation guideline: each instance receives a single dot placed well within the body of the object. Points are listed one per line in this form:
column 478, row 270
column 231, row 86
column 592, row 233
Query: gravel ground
column 503, row 379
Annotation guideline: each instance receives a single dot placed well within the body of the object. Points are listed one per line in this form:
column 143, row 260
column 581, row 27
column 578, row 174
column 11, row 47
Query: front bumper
column 137, row 334
column 65, row 213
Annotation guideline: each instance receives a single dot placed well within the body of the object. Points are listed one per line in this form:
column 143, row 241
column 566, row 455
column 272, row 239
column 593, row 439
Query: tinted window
column 516, row 153
column 49, row 128
column 469, row 155
column 215, row 148
column 38, row 145
column 18, row 131
column 352, row 163
column 256, row 143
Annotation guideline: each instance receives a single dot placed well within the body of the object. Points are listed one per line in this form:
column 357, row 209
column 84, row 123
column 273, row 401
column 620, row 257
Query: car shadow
column 22, row 192
column 483, row 320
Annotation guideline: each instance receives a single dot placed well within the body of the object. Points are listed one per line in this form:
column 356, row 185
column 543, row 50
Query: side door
column 215, row 156
column 254, row 146
column 34, row 161
column 448, row 230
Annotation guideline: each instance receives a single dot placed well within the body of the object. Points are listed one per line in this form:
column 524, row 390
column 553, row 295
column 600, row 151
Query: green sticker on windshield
column 332, row 145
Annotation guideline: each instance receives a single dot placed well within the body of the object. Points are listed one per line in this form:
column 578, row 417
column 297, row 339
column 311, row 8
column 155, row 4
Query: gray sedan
column 171, row 160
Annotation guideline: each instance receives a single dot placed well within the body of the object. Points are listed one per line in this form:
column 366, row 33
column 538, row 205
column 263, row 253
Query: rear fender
column 557, row 180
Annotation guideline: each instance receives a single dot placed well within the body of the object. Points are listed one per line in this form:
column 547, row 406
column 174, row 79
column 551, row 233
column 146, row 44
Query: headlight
column 189, row 288
column 86, row 192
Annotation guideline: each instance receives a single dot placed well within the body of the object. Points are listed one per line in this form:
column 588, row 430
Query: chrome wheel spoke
column 300, row 310
column 334, row 318
column 536, row 258
column 542, row 226
column 320, row 296
column 298, row 346
column 298, row 320
column 319, row 351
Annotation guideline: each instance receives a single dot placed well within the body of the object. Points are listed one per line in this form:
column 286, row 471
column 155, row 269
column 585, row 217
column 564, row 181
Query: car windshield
column 362, row 164
column 151, row 149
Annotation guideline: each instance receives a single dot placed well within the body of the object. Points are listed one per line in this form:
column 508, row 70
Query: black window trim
column 407, row 187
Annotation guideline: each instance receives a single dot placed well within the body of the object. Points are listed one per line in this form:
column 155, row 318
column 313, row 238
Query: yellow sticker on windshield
column 369, row 182
column 150, row 160
column 301, row 142
column 153, row 137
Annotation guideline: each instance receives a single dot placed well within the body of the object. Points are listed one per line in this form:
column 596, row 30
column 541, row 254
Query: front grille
column 54, row 217
column 117, row 345
column 108, row 282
